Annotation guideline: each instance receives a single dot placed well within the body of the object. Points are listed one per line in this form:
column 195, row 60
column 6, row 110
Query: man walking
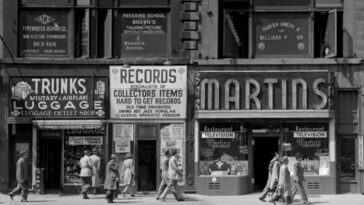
column 298, row 178
column 21, row 177
column 173, row 173
column 86, row 173
column 284, row 183
column 267, row 189
column 111, row 178
column 164, row 169
column 95, row 162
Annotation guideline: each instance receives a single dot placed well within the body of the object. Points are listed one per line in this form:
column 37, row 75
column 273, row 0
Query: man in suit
column 284, row 183
column 164, row 169
column 267, row 189
column 298, row 179
column 111, row 178
column 173, row 173
column 21, row 177
column 86, row 173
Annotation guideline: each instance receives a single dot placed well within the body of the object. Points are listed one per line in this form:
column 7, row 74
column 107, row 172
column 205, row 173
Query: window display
column 223, row 149
column 76, row 141
column 312, row 141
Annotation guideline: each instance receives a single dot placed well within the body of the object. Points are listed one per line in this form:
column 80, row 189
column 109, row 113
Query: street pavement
column 191, row 199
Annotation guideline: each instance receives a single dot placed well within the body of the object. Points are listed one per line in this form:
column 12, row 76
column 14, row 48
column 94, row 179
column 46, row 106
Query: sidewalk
column 191, row 199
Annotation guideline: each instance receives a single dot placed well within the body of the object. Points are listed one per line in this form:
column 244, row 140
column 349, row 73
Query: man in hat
column 298, row 179
column 111, row 178
column 95, row 162
column 21, row 177
column 86, row 173
column 284, row 183
column 270, row 170
column 173, row 173
column 164, row 168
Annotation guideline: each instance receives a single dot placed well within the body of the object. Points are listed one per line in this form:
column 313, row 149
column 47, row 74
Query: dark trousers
column 172, row 186
column 298, row 186
column 23, row 188
column 266, row 189
column 110, row 195
column 86, row 183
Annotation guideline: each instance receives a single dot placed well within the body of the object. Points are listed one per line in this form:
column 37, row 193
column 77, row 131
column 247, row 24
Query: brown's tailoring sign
column 58, row 97
column 236, row 90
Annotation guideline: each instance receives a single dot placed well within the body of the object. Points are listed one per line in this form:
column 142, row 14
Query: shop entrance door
column 147, row 165
column 264, row 149
column 51, row 159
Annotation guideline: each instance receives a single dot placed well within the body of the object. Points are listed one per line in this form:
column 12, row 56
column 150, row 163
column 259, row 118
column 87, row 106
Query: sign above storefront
column 148, row 92
column 58, row 97
column 44, row 33
column 239, row 90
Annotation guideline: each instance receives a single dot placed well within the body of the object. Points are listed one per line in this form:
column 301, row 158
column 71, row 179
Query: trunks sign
column 148, row 92
column 58, row 97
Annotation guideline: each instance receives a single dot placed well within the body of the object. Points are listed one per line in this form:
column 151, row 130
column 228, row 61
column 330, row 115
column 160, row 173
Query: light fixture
column 125, row 65
column 167, row 62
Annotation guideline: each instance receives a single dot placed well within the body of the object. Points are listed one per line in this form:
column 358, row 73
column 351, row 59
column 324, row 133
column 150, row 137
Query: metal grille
column 214, row 185
column 313, row 186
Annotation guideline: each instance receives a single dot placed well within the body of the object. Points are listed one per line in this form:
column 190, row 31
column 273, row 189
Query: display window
column 76, row 141
column 312, row 141
column 223, row 149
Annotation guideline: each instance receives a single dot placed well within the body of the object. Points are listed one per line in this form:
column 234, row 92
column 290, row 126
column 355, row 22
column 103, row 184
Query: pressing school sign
column 148, row 92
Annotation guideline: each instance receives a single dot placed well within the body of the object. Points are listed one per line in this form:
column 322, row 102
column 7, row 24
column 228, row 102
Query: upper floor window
column 280, row 29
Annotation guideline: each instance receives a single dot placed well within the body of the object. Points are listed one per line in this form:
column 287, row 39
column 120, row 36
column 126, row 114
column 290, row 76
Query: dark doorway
column 264, row 150
column 51, row 159
column 147, row 165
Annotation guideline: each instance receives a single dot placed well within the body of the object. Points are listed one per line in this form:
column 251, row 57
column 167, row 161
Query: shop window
column 347, row 161
column 75, row 142
column 223, row 149
column 312, row 141
column 46, row 2
column 327, row 35
column 279, row 4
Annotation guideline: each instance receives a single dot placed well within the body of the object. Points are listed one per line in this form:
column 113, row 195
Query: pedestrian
column 173, row 173
column 95, row 163
column 128, row 175
column 21, row 177
column 267, row 189
column 164, row 169
column 111, row 178
column 275, row 174
column 284, row 184
column 86, row 174
column 299, row 179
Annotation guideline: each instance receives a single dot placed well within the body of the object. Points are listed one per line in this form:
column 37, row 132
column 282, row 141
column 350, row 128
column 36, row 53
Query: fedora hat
column 114, row 156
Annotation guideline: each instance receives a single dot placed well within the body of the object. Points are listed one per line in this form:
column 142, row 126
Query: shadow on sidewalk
column 40, row 201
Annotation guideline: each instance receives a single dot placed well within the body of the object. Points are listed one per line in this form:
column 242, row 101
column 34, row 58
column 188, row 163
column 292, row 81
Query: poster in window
column 144, row 33
column 44, row 33
column 122, row 146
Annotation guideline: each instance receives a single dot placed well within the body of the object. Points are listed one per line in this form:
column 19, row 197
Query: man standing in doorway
column 21, row 177
column 173, row 173
column 86, row 173
column 270, row 169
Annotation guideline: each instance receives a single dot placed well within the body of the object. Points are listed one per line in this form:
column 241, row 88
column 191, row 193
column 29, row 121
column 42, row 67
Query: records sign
column 43, row 33
column 58, row 97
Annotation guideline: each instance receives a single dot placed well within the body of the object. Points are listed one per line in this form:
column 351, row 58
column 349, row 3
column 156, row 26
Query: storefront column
column 4, row 139
column 197, row 144
column 34, row 153
column 332, row 150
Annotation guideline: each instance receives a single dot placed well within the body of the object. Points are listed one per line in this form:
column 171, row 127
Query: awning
column 68, row 124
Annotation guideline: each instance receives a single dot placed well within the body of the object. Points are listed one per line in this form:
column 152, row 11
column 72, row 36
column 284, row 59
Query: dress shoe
column 261, row 199
column 11, row 196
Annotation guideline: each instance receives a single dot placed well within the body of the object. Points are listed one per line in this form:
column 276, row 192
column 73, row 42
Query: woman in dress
column 128, row 175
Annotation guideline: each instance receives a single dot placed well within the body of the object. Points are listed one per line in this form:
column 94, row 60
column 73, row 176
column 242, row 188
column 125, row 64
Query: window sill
column 278, row 61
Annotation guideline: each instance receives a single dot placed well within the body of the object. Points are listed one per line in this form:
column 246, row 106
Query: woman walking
column 128, row 175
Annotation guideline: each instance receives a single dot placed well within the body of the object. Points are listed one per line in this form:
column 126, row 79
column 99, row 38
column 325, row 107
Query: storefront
column 56, row 119
column 243, row 117
column 147, row 116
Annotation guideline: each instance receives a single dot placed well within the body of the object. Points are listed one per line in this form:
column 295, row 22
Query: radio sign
column 148, row 92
